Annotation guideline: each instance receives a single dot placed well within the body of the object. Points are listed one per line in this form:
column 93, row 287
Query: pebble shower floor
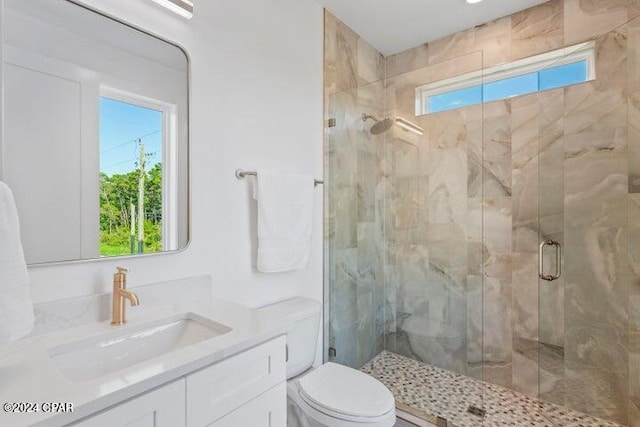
column 429, row 392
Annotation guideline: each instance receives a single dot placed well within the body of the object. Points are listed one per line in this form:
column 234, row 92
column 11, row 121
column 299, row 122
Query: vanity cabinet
column 219, row 389
column 247, row 389
column 163, row 407
column 265, row 410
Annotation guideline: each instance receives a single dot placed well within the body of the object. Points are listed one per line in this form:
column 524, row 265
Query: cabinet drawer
column 267, row 410
column 163, row 407
column 223, row 387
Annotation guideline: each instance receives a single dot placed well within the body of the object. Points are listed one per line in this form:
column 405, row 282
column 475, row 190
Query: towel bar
column 240, row 174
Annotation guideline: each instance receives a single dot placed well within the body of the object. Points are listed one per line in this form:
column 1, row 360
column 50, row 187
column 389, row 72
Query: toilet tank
column 302, row 319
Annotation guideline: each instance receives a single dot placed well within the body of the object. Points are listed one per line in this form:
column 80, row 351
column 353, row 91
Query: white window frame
column 169, row 158
column 568, row 55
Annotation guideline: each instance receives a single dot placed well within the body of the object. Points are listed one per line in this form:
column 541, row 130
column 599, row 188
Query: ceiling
column 392, row 26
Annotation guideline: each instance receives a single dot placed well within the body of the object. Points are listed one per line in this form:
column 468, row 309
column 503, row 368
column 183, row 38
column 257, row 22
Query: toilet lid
column 346, row 391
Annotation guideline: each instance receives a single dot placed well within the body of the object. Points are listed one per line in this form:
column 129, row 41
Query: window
column 135, row 190
column 562, row 67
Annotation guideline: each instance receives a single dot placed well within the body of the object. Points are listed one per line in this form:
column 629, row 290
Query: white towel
column 285, row 213
column 16, row 307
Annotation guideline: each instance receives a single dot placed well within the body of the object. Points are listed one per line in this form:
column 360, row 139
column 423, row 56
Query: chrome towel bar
column 241, row 174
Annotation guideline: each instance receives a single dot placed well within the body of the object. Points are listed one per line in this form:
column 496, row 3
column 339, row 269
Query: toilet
column 330, row 395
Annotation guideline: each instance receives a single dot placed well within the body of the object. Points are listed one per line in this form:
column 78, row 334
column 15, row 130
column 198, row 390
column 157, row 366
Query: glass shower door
column 403, row 242
column 354, row 230
column 589, row 137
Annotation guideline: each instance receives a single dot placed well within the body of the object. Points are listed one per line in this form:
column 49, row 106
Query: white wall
column 256, row 101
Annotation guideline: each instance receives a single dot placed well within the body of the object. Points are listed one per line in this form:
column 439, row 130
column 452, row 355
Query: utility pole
column 141, row 165
column 132, row 237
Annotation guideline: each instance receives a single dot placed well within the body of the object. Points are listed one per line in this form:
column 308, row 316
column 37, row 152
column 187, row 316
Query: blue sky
column 550, row 78
column 121, row 125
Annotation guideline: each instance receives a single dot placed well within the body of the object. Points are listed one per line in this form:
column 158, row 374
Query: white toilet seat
column 337, row 396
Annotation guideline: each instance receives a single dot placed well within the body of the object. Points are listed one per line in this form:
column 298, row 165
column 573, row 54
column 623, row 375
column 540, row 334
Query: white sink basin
column 130, row 344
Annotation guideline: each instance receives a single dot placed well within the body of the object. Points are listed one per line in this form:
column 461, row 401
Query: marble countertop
column 28, row 375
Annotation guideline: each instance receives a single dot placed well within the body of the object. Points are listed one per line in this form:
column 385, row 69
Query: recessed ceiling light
column 473, row 1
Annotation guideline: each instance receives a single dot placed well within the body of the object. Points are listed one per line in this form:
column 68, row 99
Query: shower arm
column 366, row 117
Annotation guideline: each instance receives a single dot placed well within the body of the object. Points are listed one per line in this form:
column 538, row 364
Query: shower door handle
column 541, row 274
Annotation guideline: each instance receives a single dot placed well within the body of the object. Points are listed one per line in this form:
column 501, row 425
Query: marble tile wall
column 432, row 240
column 633, row 202
column 551, row 25
column 596, row 229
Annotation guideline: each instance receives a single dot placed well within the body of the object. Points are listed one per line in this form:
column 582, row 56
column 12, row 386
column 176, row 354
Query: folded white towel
column 285, row 213
column 16, row 307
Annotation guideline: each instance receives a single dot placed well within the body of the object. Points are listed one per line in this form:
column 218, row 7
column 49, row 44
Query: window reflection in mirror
column 131, row 142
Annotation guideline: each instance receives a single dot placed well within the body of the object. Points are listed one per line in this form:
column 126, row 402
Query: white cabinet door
column 267, row 410
column 163, row 407
column 219, row 389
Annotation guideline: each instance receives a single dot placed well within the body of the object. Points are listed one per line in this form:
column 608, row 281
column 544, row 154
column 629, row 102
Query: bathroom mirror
column 95, row 133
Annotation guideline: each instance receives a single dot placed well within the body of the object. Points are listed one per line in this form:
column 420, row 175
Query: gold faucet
column 120, row 292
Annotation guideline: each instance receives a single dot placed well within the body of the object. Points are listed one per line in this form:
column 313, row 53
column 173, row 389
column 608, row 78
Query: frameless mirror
column 95, row 133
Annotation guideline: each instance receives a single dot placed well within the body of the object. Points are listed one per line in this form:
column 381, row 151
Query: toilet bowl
column 330, row 395
column 333, row 395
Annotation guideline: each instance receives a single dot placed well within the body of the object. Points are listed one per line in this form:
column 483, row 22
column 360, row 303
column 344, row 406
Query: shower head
column 380, row 126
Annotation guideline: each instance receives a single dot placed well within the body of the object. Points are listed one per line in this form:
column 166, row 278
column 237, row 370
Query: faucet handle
column 122, row 269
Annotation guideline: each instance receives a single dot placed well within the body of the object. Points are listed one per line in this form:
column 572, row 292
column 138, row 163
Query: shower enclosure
column 442, row 241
